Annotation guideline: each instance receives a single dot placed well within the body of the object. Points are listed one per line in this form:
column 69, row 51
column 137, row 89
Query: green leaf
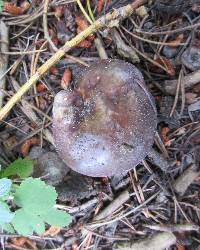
column 5, row 186
column 26, row 223
column 8, row 228
column 5, row 215
column 58, row 218
column 34, row 196
column 1, row 5
column 21, row 167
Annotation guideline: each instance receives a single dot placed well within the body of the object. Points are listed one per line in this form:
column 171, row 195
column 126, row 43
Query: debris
column 3, row 58
column 66, row 78
column 189, row 81
column 191, row 58
column 174, row 228
column 25, row 147
column 113, row 206
column 141, row 11
column 123, row 49
column 186, row 179
column 157, row 159
column 76, row 187
column 48, row 166
column 159, row 241
column 16, row 10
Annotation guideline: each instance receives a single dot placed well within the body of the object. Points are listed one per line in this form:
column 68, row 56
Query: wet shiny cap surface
column 106, row 125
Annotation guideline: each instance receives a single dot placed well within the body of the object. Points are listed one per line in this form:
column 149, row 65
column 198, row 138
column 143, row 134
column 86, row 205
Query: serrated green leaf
column 34, row 196
column 20, row 167
column 8, row 228
column 25, row 223
column 5, row 186
column 5, row 215
column 58, row 218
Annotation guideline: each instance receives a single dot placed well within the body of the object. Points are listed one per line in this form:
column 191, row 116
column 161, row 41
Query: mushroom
column 105, row 126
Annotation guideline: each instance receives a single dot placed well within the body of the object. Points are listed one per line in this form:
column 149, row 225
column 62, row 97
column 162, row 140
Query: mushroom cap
column 106, row 125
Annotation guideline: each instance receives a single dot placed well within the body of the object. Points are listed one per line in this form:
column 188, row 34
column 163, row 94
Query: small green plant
column 33, row 202
column 1, row 5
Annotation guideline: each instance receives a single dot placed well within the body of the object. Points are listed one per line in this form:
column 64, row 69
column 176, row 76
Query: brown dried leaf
column 66, row 78
column 164, row 132
column 167, row 63
column 177, row 41
column 25, row 147
column 100, row 5
column 16, row 10
column 84, row 44
column 52, row 231
column 23, row 242
column 82, row 24
column 41, row 87
column 180, row 247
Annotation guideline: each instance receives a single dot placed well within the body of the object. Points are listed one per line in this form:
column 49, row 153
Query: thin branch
column 3, row 58
column 45, row 25
column 109, row 20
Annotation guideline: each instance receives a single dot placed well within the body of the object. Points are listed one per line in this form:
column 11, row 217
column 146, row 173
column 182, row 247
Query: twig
column 177, row 93
column 158, row 33
column 157, row 159
column 23, row 52
column 107, row 20
column 3, row 58
column 151, row 41
column 123, row 49
column 185, row 179
column 101, row 50
column 189, row 81
column 132, row 211
column 113, row 206
column 159, row 241
column 174, row 228
column 45, row 26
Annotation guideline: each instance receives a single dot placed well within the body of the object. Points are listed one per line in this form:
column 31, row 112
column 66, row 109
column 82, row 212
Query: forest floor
column 156, row 204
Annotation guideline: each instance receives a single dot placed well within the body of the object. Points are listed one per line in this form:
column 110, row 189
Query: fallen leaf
column 100, row 5
column 66, row 78
column 164, row 132
column 25, row 6
column 168, row 64
column 84, row 44
column 177, row 41
column 180, row 247
column 23, row 242
column 82, row 24
column 52, row 231
column 41, row 87
column 16, row 10
column 25, row 147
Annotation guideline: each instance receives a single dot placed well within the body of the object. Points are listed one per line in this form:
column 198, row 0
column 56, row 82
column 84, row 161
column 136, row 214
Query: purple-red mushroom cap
column 106, row 125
